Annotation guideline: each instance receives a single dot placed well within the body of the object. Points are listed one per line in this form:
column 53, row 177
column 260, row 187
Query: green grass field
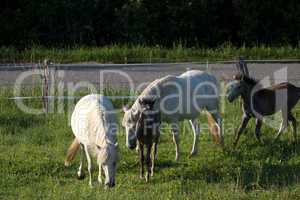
column 32, row 150
column 144, row 54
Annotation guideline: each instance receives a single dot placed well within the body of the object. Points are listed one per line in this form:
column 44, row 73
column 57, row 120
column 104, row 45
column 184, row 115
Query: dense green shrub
column 196, row 23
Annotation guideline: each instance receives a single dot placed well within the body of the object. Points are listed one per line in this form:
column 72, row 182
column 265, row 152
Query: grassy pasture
column 32, row 150
column 144, row 54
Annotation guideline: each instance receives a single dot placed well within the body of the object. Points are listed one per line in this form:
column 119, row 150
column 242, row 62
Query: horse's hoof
column 274, row 141
column 259, row 141
column 235, row 145
column 294, row 142
column 222, row 144
column 192, row 154
column 100, row 181
column 80, row 176
column 147, row 178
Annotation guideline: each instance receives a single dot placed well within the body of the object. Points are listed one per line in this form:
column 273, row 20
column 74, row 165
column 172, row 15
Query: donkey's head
column 148, row 120
column 240, row 84
column 131, row 118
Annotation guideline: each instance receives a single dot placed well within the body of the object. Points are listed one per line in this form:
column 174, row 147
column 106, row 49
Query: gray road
column 120, row 76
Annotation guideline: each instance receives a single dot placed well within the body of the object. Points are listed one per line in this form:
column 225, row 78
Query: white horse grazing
column 94, row 125
column 179, row 98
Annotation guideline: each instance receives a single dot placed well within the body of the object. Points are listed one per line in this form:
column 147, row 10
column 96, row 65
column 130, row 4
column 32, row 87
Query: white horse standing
column 94, row 125
column 179, row 98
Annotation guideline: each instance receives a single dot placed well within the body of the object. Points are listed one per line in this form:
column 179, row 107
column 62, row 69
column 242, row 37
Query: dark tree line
column 205, row 23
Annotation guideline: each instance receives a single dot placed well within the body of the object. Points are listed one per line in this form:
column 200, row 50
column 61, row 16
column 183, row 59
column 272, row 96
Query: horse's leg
column 196, row 130
column 148, row 162
column 80, row 174
column 100, row 174
column 154, row 156
column 245, row 120
column 137, row 148
column 141, row 151
column 175, row 133
column 292, row 119
column 89, row 161
column 257, row 130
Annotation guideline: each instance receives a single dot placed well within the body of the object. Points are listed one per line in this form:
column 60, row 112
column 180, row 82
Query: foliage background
column 194, row 23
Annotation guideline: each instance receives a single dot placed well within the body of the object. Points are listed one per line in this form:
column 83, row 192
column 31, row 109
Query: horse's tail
column 215, row 130
column 71, row 153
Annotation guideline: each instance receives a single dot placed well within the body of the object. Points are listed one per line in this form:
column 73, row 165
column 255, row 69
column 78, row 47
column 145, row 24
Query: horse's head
column 129, row 123
column 107, row 158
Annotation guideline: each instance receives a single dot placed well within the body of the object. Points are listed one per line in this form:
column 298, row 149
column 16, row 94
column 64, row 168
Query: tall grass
column 144, row 54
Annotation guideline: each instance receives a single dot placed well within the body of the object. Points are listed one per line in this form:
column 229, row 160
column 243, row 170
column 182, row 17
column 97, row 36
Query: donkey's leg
column 257, row 130
column 148, row 162
column 141, row 151
column 80, row 174
column 154, row 156
column 175, row 132
column 292, row 119
column 245, row 120
column 89, row 161
column 196, row 130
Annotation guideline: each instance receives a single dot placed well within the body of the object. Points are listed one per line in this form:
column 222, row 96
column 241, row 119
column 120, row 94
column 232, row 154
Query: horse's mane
column 155, row 86
column 151, row 91
column 102, row 122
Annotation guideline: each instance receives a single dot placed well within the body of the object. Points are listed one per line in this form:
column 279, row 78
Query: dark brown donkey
column 259, row 101
column 147, row 133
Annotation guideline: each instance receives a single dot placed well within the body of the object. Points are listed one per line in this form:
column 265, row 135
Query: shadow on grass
column 250, row 167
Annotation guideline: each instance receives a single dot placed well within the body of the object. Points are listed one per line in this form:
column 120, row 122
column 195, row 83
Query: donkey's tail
column 71, row 153
column 298, row 91
column 215, row 130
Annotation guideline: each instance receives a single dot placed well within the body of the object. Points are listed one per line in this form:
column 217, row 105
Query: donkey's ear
column 239, row 67
column 147, row 102
column 125, row 108
column 141, row 101
column 243, row 67
column 151, row 102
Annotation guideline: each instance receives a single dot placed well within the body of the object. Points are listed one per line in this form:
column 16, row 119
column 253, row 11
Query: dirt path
column 119, row 76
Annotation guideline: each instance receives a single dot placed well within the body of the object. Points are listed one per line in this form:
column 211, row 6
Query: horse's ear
column 103, row 155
